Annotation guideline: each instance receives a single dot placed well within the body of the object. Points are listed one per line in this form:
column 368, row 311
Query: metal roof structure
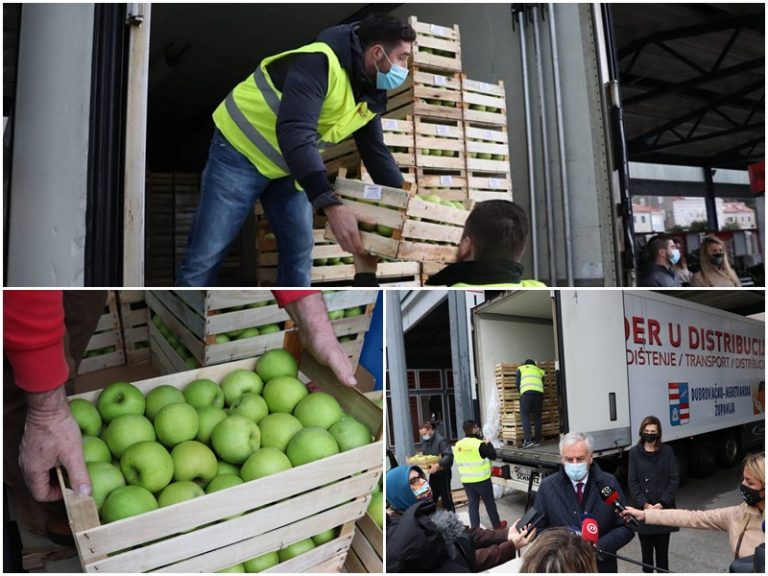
column 693, row 82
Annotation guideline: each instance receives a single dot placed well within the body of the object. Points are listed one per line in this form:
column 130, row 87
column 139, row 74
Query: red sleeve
column 284, row 297
column 33, row 338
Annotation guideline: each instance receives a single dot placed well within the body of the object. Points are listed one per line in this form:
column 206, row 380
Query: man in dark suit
column 566, row 497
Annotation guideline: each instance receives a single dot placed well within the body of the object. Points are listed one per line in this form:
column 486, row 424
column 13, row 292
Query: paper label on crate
column 438, row 30
column 494, row 183
column 443, row 130
column 371, row 192
column 490, row 135
column 441, row 80
column 389, row 124
column 446, row 180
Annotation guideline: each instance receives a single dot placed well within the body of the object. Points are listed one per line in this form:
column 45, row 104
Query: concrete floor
column 690, row 550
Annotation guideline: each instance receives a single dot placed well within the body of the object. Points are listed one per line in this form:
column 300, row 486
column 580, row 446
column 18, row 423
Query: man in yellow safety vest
column 269, row 133
column 530, row 383
column 473, row 456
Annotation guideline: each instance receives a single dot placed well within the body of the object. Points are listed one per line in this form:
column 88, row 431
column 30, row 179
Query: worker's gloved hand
column 343, row 221
column 51, row 438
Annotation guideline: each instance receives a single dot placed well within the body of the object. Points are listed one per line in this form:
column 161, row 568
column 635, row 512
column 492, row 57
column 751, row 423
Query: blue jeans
column 231, row 186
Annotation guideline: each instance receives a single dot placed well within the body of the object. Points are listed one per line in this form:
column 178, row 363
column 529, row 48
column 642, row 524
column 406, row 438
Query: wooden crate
column 429, row 269
column 422, row 231
column 367, row 551
column 408, row 172
column 195, row 317
column 426, row 94
column 485, row 186
column 108, row 338
column 398, row 136
column 487, row 149
column 439, row 144
column 436, row 46
column 511, row 423
column 448, row 184
column 134, row 319
column 484, row 103
column 225, row 528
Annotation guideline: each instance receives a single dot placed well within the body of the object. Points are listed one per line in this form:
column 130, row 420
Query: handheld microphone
column 590, row 531
column 611, row 498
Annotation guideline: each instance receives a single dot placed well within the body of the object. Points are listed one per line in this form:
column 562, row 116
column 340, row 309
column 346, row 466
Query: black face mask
column 649, row 438
column 717, row 259
column 750, row 495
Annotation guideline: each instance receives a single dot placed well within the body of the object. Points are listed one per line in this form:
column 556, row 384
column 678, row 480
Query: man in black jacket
column 269, row 131
column 566, row 497
column 433, row 444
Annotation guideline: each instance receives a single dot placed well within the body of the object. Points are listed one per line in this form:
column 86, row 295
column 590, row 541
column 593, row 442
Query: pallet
column 421, row 230
column 106, row 344
column 516, row 441
column 459, row 497
column 439, row 144
column 225, row 528
column 484, row 103
column 437, row 47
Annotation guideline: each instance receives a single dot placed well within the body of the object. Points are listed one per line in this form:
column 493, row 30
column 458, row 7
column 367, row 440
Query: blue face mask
column 576, row 472
column 675, row 256
column 392, row 79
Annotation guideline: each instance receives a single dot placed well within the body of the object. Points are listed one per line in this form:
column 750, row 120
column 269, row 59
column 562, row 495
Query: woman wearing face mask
column 653, row 481
column 715, row 270
column 422, row 538
column 743, row 522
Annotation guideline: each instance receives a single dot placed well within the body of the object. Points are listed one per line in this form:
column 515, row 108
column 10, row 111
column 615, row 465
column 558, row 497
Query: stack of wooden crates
column 105, row 348
column 448, row 135
column 511, row 423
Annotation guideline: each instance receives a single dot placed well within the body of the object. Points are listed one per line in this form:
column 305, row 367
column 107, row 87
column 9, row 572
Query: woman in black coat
column 653, row 482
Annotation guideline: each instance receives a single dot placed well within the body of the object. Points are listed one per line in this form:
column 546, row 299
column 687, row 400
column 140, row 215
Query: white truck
column 623, row 355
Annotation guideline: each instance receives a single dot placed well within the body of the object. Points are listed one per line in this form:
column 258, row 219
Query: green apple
column 252, row 406
column 204, row 392
column 275, row 363
column 384, row 230
column 261, row 563
column 277, row 430
column 264, row 462
column 194, row 461
column 235, row 438
column 310, row 444
column 157, row 321
column 376, row 508
column 485, row 156
column 319, row 261
column 235, row 568
column 349, row 433
column 179, row 492
column 251, row 332
column 127, row 430
column 191, row 363
column 222, row 338
column 318, row 409
column 95, row 450
column 366, row 227
column 233, row 334
column 335, row 315
column 345, row 339
column 127, row 501
column 283, row 393
column 296, row 549
column 222, row 482
column 105, row 477
column 87, row 416
column 120, row 398
column 227, row 468
column 176, row 423
column 182, row 351
column 207, row 418
column 433, row 198
column 355, row 311
column 325, row 536
column 348, row 259
column 147, row 464
column 269, row 329
column 499, row 157
column 237, row 383
column 161, row 397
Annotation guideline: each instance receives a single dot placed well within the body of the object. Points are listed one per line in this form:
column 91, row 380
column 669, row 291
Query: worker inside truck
column 492, row 244
column 269, row 133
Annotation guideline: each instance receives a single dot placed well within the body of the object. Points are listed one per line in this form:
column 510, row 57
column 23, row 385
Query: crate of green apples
column 487, row 148
column 426, row 93
column 436, row 46
column 191, row 328
column 403, row 225
column 484, row 103
column 105, row 348
column 236, row 467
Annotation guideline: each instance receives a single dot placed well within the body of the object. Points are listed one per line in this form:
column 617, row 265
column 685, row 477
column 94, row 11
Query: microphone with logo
column 590, row 532
column 611, row 498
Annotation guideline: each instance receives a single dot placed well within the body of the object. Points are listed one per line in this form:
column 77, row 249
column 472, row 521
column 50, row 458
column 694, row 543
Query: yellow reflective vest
column 248, row 115
column 521, row 284
column 531, row 379
column 472, row 466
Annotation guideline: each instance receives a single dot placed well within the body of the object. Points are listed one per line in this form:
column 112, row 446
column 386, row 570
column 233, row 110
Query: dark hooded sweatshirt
column 303, row 81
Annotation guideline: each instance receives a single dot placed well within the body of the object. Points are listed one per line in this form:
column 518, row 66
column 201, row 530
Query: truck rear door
column 592, row 365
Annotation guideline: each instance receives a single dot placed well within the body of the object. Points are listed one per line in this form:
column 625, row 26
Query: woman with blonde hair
column 715, row 270
column 743, row 522
column 559, row 550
